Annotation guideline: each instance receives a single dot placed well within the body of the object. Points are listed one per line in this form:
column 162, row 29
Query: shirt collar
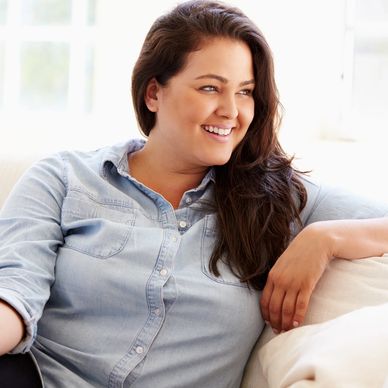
column 118, row 156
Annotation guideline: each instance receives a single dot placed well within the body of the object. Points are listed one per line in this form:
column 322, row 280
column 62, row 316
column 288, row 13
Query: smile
column 217, row 130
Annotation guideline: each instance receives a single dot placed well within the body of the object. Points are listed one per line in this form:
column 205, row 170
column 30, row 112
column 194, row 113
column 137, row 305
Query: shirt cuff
column 30, row 322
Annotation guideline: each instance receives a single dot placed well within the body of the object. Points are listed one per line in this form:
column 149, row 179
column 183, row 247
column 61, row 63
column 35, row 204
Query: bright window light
column 65, row 73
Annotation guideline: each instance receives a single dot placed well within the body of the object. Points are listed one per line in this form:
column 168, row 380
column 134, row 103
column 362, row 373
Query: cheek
column 251, row 111
column 196, row 110
column 247, row 112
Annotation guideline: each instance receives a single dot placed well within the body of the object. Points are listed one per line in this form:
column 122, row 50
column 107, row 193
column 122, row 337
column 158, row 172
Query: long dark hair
column 258, row 194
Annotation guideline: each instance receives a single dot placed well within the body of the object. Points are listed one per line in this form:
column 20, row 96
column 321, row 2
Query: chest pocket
column 208, row 240
column 96, row 229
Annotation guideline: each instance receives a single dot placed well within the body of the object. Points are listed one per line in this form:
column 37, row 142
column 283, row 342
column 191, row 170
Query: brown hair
column 257, row 192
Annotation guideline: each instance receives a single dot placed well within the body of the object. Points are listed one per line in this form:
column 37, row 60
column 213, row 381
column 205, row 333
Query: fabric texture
column 119, row 280
column 114, row 285
column 349, row 351
column 342, row 342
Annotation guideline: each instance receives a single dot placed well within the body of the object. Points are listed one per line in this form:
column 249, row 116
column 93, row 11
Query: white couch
column 342, row 343
column 11, row 168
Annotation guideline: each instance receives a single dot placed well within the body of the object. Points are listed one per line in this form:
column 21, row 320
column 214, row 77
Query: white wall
column 307, row 41
column 306, row 37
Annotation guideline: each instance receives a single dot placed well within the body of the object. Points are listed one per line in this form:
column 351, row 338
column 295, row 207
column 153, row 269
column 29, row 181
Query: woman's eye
column 246, row 92
column 208, row 88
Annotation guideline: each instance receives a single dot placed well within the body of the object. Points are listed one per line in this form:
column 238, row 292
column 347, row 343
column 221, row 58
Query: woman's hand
column 292, row 279
column 295, row 274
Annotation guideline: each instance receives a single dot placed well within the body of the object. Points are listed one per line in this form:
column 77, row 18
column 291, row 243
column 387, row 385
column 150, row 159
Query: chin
column 220, row 161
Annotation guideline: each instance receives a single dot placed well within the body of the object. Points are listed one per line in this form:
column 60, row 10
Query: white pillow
column 349, row 351
column 344, row 287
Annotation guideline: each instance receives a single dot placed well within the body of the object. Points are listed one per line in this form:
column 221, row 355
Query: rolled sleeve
column 30, row 234
column 30, row 321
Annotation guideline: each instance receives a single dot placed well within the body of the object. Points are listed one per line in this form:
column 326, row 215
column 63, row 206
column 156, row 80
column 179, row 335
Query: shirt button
column 163, row 272
column 139, row 349
column 182, row 224
column 157, row 312
column 174, row 238
column 188, row 200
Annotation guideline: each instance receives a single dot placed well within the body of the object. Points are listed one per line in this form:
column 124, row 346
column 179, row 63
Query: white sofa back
column 11, row 169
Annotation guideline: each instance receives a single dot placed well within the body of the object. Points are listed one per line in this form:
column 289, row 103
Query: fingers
column 283, row 310
column 294, row 309
column 278, row 309
column 264, row 301
column 275, row 310
column 288, row 310
column 293, row 277
column 302, row 303
column 271, row 304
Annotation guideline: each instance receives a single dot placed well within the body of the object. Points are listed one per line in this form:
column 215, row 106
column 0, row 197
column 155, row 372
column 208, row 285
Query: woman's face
column 205, row 110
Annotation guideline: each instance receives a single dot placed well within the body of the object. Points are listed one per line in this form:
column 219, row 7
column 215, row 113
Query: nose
column 227, row 106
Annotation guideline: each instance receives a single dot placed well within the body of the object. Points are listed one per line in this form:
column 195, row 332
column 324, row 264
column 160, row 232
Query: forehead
column 229, row 58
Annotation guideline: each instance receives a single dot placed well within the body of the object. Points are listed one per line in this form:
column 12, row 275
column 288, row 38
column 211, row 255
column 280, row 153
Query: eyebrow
column 224, row 80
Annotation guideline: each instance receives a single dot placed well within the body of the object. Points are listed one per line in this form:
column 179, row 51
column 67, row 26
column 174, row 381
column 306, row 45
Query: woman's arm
column 30, row 234
column 11, row 328
column 292, row 279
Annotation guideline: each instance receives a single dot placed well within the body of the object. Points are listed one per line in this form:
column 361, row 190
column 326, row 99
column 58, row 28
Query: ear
column 151, row 95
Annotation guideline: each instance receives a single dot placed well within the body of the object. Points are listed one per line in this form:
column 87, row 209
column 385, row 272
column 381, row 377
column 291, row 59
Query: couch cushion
column 11, row 169
column 345, row 287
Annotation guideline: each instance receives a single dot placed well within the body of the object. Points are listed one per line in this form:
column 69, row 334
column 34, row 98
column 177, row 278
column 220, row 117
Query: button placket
column 163, row 269
column 182, row 224
column 163, row 272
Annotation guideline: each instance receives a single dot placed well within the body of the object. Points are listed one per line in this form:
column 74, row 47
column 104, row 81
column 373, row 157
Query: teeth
column 218, row 131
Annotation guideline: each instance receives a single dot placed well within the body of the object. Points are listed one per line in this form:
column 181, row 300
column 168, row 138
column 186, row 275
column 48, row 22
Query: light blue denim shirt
column 113, row 283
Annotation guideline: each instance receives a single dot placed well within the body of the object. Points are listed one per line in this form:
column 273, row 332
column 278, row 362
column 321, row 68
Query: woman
column 142, row 264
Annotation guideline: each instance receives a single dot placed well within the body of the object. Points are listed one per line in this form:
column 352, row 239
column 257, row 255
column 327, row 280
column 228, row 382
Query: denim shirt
column 114, row 285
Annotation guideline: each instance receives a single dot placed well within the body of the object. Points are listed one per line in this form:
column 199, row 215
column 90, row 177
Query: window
column 46, row 63
column 65, row 69
column 366, row 70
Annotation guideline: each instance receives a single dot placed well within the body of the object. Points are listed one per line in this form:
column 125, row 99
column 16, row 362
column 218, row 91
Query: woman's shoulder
column 93, row 159
column 62, row 170
column 326, row 202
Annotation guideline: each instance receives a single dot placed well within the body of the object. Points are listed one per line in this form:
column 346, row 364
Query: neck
column 161, row 172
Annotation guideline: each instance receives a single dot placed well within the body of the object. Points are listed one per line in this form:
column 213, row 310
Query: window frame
column 78, row 34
